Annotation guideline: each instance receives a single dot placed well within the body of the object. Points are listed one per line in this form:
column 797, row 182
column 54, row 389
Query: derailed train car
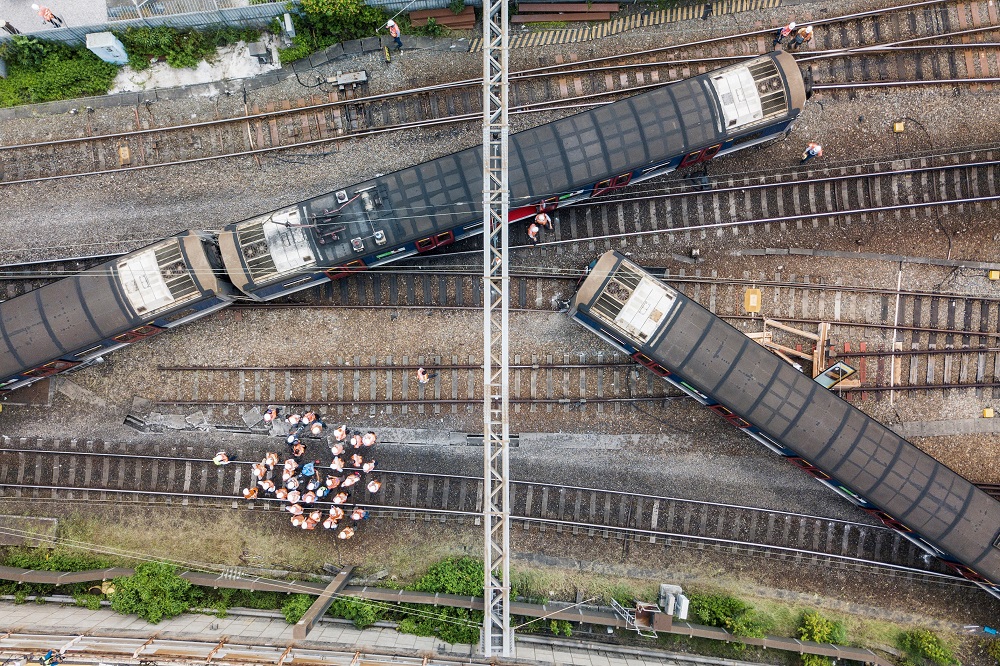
column 838, row 444
column 72, row 322
column 433, row 204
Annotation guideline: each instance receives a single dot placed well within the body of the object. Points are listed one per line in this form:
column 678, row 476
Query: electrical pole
column 498, row 637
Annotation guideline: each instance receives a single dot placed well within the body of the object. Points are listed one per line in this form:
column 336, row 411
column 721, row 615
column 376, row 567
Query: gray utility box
column 107, row 47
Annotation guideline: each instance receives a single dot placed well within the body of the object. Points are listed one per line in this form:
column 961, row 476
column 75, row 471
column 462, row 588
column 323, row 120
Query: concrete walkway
column 35, row 628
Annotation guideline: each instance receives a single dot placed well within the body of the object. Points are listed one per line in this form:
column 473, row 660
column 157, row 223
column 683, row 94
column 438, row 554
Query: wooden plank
column 438, row 13
column 457, row 22
column 545, row 18
column 322, row 603
column 575, row 7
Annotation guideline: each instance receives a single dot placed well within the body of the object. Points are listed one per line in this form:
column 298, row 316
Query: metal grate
column 253, row 245
column 175, row 272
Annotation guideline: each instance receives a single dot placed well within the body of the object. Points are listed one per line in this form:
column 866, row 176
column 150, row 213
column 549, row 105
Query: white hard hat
column 809, row 28
column 391, row 23
column 792, row 24
column 35, row 7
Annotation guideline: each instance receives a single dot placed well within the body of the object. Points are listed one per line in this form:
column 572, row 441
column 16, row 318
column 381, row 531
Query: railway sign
column 835, row 374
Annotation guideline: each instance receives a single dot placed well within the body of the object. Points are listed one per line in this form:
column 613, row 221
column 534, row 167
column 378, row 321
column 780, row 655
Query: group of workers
column 300, row 483
column 794, row 37
column 539, row 222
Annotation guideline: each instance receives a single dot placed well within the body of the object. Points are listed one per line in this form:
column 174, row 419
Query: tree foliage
column 814, row 627
column 41, row 71
column 718, row 610
column 922, row 644
column 153, row 592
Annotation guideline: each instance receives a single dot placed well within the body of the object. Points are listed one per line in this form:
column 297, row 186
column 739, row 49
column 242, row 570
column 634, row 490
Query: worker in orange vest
column 394, row 31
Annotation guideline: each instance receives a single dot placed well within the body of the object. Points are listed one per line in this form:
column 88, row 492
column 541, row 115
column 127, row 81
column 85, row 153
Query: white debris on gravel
column 230, row 62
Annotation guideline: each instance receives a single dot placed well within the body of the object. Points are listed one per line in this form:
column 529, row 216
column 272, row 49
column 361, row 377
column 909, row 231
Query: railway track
column 96, row 472
column 388, row 385
column 320, row 121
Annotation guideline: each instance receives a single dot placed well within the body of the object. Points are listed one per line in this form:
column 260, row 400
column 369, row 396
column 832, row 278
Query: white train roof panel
column 737, row 92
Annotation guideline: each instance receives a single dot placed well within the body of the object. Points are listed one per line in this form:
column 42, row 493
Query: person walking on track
column 784, row 33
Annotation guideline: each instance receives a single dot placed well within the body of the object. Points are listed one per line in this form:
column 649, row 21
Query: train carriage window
column 650, row 364
column 137, row 334
column 52, row 368
column 691, row 158
column 345, row 270
column 612, row 184
column 425, row 244
column 711, row 152
column 966, row 572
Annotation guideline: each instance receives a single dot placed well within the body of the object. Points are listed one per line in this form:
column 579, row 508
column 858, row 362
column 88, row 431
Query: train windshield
column 156, row 278
column 634, row 303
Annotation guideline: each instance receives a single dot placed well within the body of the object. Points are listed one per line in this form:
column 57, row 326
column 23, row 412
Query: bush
column 455, row 575
column 361, row 612
column 89, row 601
column 993, row 649
column 718, row 610
column 814, row 627
column 180, row 48
column 154, row 592
column 921, row 644
column 323, row 23
column 40, row 71
column 296, row 606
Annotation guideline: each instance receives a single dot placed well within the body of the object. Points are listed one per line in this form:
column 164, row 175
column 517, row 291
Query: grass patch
column 41, row 71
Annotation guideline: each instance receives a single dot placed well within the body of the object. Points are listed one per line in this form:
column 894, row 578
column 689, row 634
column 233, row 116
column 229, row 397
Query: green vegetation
column 296, row 606
column 814, row 627
column 180, row 48
column 58, row 559
column 993, row 649
column 322, row 23
column 41, row 71
column 718, row 610
column 920, row 645
column 154, row 592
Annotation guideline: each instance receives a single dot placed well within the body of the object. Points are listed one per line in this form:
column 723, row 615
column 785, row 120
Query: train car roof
column 60, row 318
column 557, row 157
column 800, row 414
column 70, row 314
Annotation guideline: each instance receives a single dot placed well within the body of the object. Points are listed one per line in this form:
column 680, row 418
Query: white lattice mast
column 498, row 637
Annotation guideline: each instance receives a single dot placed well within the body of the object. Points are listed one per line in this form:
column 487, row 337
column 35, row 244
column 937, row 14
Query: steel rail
column 522, row 482
column 766, row 220
column 425, row 401
column 533, row 72
column 383, row 509
column 408, row 366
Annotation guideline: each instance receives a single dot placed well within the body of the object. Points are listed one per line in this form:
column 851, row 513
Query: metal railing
column 157, row 13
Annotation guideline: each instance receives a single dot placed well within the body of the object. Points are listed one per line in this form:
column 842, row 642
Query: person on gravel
column 803, row 35
column 533, row 230
column 221, row 458
column 9, row 28
column 811, row 151
column 394, row 31
column 543, row 220
column 784, row 33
